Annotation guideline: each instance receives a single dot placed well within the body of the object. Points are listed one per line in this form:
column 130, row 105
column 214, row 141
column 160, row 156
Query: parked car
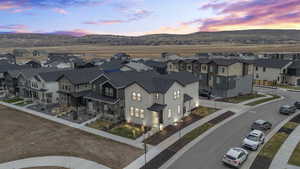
column 261, row 125
column 235, row 157
column 204, row 93
column 297, row 104
column 286, row 109
column 254, row 139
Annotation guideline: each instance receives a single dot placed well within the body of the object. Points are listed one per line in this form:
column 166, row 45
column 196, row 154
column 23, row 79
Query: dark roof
column 82, row 76
column 295, row 65
column 225, row 62
column 52, row 76
column 112, row 65
column 203, row 60
column 271, row 63
column 157, row 107
column 187, row 97
column 152, row 82
column 10, row 67
column 155, row 64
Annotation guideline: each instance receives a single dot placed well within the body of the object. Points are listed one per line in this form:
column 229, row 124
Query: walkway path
column 282, row 157
column 55, row 161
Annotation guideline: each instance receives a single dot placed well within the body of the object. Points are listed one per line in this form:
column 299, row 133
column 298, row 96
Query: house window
column 203, row 67
column 169, row 113
column 178, row 109
column 109, row 92
column 142, row 114
column 131, row 111
column 156, row 95
column 223, row 70
column 264, row 69
column 105, row 107
column 133, row 96
column 137, row 114
column 189, row 67
column 257, row 76
column 177, row 94
column 256, row 68
column 139, row 96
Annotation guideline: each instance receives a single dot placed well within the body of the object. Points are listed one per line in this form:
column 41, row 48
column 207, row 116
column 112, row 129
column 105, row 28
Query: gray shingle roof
column 295, row 65
column 11, row 67
column 271, row 63
column 82, row 76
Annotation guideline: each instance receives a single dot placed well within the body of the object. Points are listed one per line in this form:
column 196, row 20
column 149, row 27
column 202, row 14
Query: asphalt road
column 207, row 154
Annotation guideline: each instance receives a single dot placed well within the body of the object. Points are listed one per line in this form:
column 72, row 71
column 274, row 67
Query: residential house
column 34, row 64
column 281, row 55
column 271, row 71
column 293, row 74
column 157, row 66
column 121, row 56
column 160, row 100
column 74, row 85
column 223, row 77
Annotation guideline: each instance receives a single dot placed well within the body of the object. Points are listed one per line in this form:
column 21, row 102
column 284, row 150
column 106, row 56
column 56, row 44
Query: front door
column 155, row 120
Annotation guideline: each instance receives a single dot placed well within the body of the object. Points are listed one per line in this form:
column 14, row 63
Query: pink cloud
column 60, row 11
column 243, row 14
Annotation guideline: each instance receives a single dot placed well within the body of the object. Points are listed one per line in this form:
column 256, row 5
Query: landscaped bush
column 127, row 130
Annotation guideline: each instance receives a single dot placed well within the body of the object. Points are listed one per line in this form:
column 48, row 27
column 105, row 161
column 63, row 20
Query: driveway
column 207, row 154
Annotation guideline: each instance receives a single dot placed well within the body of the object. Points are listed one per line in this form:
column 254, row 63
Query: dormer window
column 109, row 92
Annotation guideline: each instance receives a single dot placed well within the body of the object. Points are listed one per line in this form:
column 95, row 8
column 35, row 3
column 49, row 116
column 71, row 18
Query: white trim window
column 137, row 112
column 133, row 96
column 142, row 114
column 176, row 94
column 139, row 97
column 131, row 111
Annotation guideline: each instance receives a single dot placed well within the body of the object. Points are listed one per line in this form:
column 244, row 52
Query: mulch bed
column 168, row 153
column 170, row 130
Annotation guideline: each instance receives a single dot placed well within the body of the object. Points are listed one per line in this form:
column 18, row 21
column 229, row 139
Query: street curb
column 253, row 155
column 198, row 139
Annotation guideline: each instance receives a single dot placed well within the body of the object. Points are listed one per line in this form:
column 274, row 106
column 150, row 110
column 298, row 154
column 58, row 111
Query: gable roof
column 271, row 63
column 82, row 76
column 295, row 65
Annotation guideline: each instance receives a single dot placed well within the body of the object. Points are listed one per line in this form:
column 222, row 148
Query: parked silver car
column 287, row 109
column 235, row 157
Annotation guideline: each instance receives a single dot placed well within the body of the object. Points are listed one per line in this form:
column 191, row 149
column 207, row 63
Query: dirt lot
column 23, row 136
column 93, row 51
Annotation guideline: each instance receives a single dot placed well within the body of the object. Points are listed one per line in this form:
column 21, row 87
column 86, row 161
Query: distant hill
column 263, row 36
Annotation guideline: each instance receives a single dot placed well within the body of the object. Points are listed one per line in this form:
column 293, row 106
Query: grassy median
column 295, row 158
column 263, row 100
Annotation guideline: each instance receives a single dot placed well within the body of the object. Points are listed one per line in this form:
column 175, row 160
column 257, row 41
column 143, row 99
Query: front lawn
column 242, row 98
column 295, row 158
column 263, row 100
column 289, row 87
column 100, row 125
column 23, row 103
column 197, row 132
column 13, row 100
column 272, row 146
column 291, row 125
column 127, row 130
column 203, row 111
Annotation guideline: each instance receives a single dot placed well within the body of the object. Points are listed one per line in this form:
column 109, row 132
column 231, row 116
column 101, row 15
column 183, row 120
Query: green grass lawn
column 291, row 125
column 263, row 100
column 239, row 99
column 23, row 103
column 204, row 111
column 13, row 100
column 272, row 146
column 99, row 124
column 289, row 87
column 295, row 158
column 197, row 132
column 127, row 130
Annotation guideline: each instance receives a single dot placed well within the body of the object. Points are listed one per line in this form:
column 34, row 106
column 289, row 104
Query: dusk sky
column 139, row 17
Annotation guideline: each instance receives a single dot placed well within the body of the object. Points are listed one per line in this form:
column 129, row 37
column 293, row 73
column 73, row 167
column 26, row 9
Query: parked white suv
column 254, row 139
column 235, row 157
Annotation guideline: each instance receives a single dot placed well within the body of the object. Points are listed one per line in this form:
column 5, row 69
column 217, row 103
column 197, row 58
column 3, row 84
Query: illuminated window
column 131, row 111
column 139, row 96
column 179, row 109
column 142, row 114
column 133, row 96
column 137, row 112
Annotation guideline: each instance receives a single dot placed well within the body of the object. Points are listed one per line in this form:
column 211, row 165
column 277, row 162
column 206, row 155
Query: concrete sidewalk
column 55, row 161
column 282, row 157
column 221, row 105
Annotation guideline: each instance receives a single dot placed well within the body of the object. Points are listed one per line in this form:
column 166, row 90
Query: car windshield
column 252, row 137
column 230, row 157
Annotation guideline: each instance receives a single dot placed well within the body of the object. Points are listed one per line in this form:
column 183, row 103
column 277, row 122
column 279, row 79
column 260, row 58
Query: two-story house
column 271, row 71
column 74, row 85
column 161, row 100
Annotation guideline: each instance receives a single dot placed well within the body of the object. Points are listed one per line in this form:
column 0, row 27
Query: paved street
column 207, row 154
